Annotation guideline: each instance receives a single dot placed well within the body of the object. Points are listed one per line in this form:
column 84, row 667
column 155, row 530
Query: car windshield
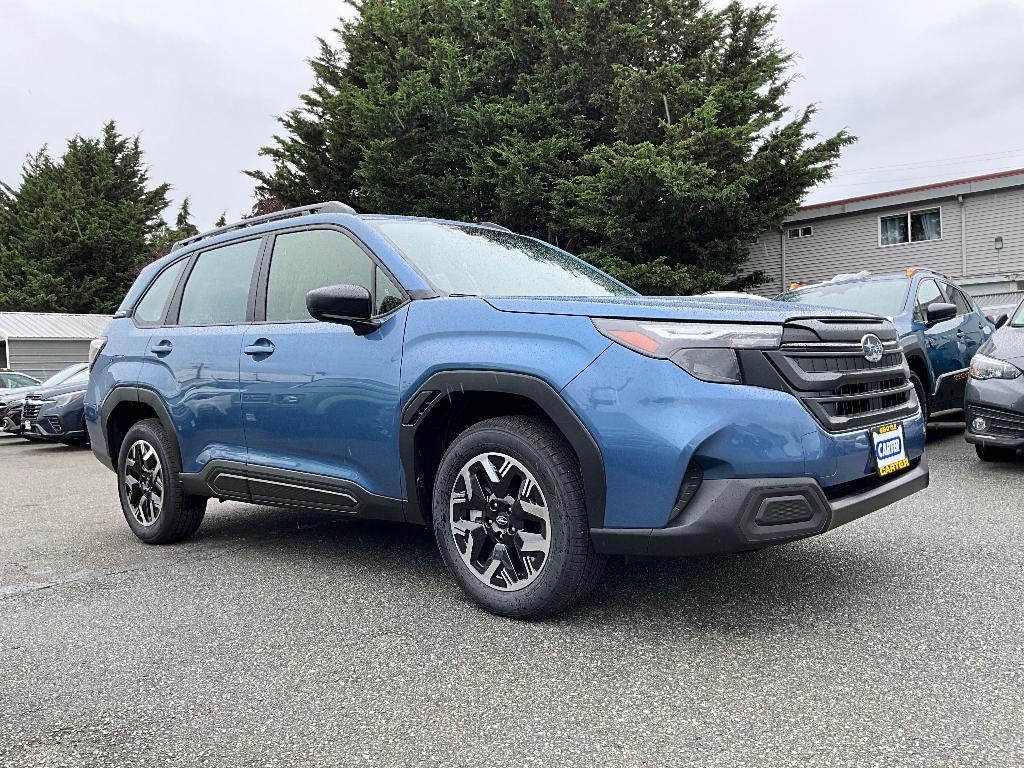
column 876, row 297
column 82, row 377
column 1018, row 316
column 62, row 376
column 489, row 262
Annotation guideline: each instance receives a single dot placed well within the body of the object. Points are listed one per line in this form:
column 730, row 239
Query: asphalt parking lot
column 283, row 638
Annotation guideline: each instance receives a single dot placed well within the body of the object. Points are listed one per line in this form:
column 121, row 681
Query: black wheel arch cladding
column 444, row 388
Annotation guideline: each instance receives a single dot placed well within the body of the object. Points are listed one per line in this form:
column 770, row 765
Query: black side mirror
column 939, row 311
column 1001, row 320
column 345, row 305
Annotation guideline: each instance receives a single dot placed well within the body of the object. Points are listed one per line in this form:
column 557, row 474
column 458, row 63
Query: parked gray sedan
column 994, row 400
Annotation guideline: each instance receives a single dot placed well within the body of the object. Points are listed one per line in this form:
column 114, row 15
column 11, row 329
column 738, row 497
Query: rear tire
column 994, row 453
column 157, row 509
column 510, row 518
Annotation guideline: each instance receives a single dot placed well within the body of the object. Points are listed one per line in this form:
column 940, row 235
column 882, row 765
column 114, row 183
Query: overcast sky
column 933, row 89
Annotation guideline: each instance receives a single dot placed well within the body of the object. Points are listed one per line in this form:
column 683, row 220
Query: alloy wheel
column 143, row 483
column 500, row 522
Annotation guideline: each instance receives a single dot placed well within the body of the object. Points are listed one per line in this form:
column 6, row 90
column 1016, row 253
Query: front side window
column 150, row 311
column 876, row 297
column 217, row 291
column 387, row 295
column 928, row 293
column 478, row 261
column 910, row 227
column 305, row 261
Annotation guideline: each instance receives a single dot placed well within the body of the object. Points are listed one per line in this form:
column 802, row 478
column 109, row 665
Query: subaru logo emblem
column 872, row 346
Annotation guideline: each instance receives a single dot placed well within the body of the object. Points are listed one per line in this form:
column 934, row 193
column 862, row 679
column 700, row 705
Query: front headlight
column 706, row 351
column 985, row 367
column 68, row 399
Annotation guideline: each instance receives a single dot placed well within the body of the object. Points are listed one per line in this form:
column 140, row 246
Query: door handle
column 261, row 347
column 163, row 348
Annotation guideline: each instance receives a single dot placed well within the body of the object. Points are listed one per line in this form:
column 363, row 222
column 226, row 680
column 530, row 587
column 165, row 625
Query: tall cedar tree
column 73, row 235
column 651, row 138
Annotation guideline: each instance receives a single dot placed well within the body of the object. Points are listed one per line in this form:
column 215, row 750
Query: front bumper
column 1001, row 403
column 736, row 515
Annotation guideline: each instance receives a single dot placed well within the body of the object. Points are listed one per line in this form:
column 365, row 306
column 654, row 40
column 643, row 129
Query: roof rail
column 332, row 206
column 492, row 225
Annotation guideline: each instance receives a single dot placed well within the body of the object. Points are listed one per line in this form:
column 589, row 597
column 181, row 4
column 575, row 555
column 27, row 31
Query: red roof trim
column 922, row 188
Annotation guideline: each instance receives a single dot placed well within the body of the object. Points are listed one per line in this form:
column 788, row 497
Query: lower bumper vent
column 783, row 510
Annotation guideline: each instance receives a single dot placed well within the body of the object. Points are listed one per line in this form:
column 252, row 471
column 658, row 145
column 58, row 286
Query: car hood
column 15, row 393
column 696, row 308
column 51, row 392
column 1005, row 344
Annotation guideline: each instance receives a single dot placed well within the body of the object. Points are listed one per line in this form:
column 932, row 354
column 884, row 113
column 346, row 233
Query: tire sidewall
column 922, row 396
column 157, row 531
column 533, row 598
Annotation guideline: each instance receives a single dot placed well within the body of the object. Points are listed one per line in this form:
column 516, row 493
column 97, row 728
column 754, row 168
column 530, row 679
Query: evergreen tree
column 651, row 138
column 223, row 220
column 166, row 236
column 74, row 233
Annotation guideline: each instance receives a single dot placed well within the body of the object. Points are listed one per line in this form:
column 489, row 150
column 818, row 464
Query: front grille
column 1001, row 423
column 31, row 409
column 822, row 363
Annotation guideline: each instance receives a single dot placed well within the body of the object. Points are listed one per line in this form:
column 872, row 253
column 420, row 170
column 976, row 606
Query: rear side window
column 217, row 291
column 150, row 311
column 17, row 380
column 963, row 306
column 304, row 261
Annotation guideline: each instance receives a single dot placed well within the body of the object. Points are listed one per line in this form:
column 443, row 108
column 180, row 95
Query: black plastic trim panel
column 536, row 390
column 238, row 481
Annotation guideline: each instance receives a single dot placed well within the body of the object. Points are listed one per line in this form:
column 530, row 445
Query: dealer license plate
column 890, row 449
column 27, row 426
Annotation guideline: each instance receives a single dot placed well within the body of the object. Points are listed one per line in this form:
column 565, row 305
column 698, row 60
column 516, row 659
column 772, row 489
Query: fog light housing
column 979, row 424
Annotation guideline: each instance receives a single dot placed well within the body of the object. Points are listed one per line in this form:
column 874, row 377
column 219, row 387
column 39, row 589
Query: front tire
column 510, row 518
column 157, row 510
column 922, row 397
column 994, row 453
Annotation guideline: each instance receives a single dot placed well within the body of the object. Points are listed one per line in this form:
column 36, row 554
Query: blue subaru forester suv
column 538, row 414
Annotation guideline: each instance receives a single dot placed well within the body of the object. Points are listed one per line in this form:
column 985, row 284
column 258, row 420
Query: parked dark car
column 14, row 380
column 11, row 400
column 58, row 413
column 939, row 325
column 995, row 392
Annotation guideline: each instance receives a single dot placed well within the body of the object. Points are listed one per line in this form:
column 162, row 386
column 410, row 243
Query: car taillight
column 95, row 347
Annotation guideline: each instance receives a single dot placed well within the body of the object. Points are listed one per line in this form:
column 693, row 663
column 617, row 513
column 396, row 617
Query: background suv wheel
column 156, row 508
column 510, row 519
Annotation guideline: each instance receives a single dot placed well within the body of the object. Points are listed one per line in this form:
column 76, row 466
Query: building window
column 796, row 232
column 910, row 227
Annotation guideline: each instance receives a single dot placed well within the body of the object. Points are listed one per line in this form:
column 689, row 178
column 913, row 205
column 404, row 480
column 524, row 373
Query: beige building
column 969, row 229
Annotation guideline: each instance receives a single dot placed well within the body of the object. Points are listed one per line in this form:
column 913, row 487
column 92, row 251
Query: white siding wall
column 995, row 214
column 42, row 358
column 850, row 244
column 765, row 256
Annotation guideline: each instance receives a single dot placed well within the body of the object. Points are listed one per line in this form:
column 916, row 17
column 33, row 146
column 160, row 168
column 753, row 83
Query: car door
column 941, row 344
column 192, row 360
column 320, row 403
column 971, row 330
